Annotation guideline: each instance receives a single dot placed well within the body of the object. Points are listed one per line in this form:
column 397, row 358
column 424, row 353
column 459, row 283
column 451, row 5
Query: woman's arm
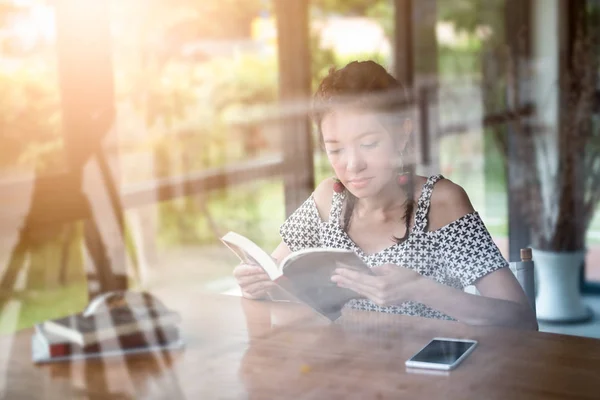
column 394, row 285
column 280, row 252
column 502, row 299
column 502, row 302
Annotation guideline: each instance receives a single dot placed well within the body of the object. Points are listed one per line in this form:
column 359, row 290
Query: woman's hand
column 253, row 280
column 391, row 285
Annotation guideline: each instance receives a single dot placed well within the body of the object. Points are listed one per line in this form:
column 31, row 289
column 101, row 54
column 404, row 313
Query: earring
column 402, row 178
column 338, row 186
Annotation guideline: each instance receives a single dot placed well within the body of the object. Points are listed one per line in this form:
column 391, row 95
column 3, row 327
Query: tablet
column 442, row 353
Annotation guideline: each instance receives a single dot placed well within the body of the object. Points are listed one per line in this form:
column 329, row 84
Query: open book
column 304, row 274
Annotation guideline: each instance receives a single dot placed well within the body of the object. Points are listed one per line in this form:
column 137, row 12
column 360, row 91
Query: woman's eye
column 371, row 145
column 334, row 151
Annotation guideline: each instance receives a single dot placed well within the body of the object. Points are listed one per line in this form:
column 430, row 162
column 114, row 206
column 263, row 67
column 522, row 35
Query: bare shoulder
column 449, row 202
column 323, row 196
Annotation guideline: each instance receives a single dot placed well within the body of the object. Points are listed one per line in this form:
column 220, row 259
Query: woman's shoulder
column 323, row 196
column 449, row 202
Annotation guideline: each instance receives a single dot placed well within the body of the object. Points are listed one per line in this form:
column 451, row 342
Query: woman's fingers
column 247, row 274
column 253, row 280
column 258, row 289
column 246, row 280
column 356, row 276
column 385, row 269
column 246, row 270
column 357, row 286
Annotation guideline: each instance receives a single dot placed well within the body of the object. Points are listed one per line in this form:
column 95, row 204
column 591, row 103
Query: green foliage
column 321, row 60
column 228, row 92
column 254, row 209
column 347, row 7
column 218, row 19
column 249, row 80
column 193, row 108
column 382, row 11
column 169, row 98
column 177, row 22
column 468, row 15
column 30, row 119
column 458, row 63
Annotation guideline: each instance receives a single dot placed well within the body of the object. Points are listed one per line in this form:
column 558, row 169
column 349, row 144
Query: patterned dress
column 455, row 255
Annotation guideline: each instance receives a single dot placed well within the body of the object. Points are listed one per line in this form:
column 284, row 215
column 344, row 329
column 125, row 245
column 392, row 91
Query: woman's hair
column 369, row 85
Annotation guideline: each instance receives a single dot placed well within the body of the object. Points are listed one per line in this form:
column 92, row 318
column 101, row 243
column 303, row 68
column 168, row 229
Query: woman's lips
column 359, row 183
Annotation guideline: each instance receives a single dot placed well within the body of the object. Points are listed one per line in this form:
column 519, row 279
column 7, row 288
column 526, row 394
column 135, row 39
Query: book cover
column 51, row 346
column 40, row 351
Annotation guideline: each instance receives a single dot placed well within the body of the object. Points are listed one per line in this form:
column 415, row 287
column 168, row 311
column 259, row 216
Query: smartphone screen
column 442, row 353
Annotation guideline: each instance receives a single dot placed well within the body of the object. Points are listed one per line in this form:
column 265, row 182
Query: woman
column 421, row 236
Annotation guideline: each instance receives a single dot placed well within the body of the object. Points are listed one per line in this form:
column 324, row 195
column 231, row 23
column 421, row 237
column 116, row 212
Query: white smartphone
column 442, row 353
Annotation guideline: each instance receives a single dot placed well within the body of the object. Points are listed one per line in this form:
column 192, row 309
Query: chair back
column 525, row 274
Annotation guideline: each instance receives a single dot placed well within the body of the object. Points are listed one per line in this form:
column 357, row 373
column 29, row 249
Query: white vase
column 558, row 296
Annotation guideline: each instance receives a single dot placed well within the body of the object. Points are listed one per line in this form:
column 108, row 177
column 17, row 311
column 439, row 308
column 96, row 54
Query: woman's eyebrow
column 367, row 133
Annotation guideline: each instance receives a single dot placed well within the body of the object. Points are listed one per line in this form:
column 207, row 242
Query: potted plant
column 555, row 174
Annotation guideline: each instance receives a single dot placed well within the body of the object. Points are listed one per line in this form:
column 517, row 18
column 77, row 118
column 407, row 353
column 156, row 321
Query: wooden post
column 294, row 89
column 425, row 86
column 403, row 42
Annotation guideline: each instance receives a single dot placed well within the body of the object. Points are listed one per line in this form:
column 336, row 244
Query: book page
column 250, row 253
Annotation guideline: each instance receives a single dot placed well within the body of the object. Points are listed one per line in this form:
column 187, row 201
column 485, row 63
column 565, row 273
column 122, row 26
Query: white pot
column 558, row 296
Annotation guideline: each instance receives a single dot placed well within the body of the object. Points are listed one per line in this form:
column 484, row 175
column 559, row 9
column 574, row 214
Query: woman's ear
column 406, row 129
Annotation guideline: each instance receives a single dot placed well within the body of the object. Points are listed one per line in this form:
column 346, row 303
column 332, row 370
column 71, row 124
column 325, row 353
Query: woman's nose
column 355, row 161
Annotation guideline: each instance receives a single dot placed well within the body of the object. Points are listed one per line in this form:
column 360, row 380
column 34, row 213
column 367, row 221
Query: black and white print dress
column 455, row 255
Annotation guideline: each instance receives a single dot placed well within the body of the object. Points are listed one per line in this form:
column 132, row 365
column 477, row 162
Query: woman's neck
column 383, row 206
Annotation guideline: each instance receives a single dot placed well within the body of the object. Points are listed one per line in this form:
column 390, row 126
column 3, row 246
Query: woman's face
column 363, row 154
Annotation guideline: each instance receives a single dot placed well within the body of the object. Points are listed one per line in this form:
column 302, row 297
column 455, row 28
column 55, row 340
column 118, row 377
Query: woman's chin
column 362, row 193
column 369, row 191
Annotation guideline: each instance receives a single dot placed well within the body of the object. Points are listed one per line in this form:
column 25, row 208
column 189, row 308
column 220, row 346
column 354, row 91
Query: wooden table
column 238, row 348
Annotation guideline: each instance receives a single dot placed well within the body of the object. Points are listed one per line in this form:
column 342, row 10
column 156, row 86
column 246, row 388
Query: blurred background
column 135, row 133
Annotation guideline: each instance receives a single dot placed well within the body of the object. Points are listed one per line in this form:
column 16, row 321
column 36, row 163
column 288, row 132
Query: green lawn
column 36, row 306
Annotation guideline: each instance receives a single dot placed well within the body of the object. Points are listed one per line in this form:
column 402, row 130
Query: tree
column 348, row 7
column 469, row 15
